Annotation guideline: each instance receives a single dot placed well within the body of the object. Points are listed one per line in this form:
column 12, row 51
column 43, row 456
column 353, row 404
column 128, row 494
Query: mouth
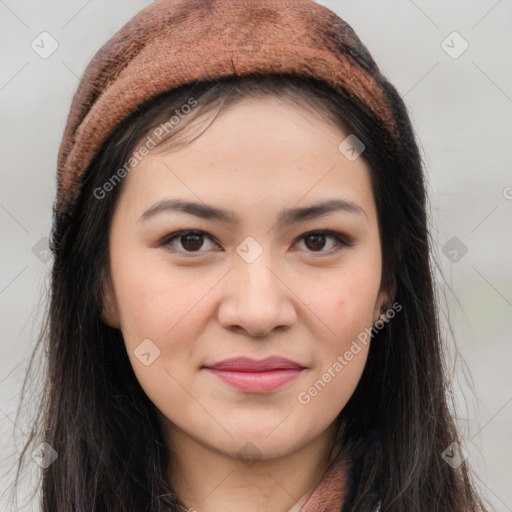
column 256, row 376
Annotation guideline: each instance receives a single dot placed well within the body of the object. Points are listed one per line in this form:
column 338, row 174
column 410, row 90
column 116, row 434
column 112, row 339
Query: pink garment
column 329, row 495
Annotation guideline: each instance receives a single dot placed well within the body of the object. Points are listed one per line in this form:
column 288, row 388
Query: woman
column 243, row 313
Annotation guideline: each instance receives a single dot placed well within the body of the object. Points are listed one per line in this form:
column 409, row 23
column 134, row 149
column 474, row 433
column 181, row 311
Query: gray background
column 461, row 109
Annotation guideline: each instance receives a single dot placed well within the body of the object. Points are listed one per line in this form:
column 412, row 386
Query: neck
column 208, row 480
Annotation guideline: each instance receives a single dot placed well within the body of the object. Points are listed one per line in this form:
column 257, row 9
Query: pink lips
column 254, row 376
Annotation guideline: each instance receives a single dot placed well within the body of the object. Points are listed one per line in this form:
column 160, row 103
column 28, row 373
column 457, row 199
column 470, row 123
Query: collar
column 330, row 494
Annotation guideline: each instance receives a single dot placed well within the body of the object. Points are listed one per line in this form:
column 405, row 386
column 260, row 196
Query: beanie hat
column 173, row 42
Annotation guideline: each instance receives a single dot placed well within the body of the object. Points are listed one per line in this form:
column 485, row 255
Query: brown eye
column 186, row 241
column 192, row 242
column 315, row 241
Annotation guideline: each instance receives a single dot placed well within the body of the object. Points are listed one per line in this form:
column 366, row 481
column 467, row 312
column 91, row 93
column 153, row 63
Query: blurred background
column 451, row 62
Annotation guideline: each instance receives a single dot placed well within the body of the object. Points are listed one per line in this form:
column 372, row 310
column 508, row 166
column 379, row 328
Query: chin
column 259, row 446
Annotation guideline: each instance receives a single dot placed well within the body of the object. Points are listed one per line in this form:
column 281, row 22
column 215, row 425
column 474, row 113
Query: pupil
column 196, row 243
column 316, row 244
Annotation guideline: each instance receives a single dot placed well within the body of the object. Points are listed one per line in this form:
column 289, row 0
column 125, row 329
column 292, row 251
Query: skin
column 302, row 299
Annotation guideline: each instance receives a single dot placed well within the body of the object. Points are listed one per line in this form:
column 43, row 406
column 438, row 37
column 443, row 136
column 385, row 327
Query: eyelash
column 341, row 241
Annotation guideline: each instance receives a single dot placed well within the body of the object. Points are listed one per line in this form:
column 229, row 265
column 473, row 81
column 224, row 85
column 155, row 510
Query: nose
column 257, row 300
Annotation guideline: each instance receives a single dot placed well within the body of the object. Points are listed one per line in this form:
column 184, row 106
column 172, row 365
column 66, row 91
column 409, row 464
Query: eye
column 192, row 241
column 315, row 240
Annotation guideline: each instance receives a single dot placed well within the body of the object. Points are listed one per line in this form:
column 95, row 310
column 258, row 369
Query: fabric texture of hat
column 173, row 42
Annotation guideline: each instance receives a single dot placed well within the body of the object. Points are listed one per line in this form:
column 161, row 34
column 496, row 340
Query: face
column 270, row 275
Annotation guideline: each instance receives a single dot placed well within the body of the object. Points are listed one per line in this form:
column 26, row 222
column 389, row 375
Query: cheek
column 159, row 327
column 346, row 307
column 345, row 300
column 168, row 306
column 329, row 389
column 345, row 303
column 155, row 301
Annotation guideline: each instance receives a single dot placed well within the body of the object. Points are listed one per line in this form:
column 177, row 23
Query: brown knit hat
column 173, row 42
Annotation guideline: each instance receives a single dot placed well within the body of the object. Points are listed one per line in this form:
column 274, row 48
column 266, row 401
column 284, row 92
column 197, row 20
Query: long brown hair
column 94, row 413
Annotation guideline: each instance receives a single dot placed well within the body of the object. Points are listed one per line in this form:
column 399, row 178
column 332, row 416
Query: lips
column 256, row 376
column 244, row 364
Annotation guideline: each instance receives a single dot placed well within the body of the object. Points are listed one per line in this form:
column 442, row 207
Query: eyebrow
column 285, row 217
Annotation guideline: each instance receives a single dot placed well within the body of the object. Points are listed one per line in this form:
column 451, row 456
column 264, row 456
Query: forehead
column 259, row 151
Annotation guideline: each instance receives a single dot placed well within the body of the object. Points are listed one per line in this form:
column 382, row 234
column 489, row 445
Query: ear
column 110, row 311
column 385, row 299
